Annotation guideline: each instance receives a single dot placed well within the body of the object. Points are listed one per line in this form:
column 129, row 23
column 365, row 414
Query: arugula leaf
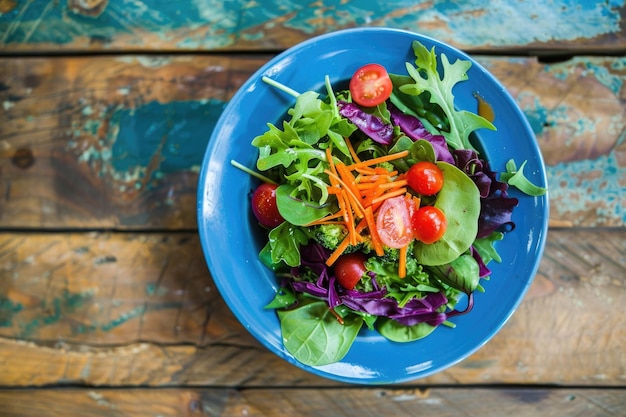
column 516, row 178
column 313, row 125
column 486, row 249
column 285, row 241
column 427, row 79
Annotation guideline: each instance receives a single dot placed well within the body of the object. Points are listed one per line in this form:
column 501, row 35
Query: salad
column 380, row 212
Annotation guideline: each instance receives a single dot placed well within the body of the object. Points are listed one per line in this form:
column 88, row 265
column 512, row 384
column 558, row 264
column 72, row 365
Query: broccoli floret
column 329, row 235
column 393, row 255
column 387, row 165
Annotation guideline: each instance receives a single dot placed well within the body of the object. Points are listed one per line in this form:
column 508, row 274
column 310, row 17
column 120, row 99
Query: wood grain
column 141, row 309
column 157, row 25
column 365, row 402
column 117, row 142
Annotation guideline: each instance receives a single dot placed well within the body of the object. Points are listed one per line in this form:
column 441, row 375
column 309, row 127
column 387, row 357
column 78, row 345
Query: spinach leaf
column 459, row 199
column 420, row 150
column 397, row 332
column 283, row 298
column 426, row 78
column 285, row 241
column 312, row 334
column 461, row 274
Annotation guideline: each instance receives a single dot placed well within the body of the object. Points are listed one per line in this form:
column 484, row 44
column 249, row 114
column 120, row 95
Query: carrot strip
column 347, row 178
column 371, row 225
column 352, row 151
column 345, row 188
column 365, row 171
column 331, row 163
column 361, row 225
column 390, row 194
column 337, row 252
column 380, row 159
column 402, row 261
column 394, row 184
column 327, row 218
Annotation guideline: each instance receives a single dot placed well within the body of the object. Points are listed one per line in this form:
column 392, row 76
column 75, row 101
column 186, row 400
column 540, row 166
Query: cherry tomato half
column 425, row 178
column 393, row 222
column 264, row 205
column 429, row 224
column 370, row 85
column 349, row 269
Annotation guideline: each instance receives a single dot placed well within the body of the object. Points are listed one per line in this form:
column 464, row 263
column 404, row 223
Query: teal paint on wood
column 210, row 24
column 123, row 318
column 54, row 310
column 7, row 310
column 601, row 182
column 177, row 132
column 146, row 143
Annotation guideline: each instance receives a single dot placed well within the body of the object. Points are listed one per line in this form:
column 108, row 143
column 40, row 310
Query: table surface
column 106, row 303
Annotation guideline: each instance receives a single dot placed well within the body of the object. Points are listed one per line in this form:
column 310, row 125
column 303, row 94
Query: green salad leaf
column 397, row 332
column 516, row 178
column 314, row 336
column 427, row 79
column 284, row 243
column 459, row 198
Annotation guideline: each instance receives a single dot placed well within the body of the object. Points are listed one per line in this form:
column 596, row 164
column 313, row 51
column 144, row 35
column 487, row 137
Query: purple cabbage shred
column 371, row 125
column 374, row 302
column 414, row 129
column 496, row 207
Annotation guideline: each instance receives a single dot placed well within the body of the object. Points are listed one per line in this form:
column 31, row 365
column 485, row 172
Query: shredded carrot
column 352, row 151
column 337, row 252
column 365, row 171
column 390, row 194
column 402, row 261
column 331, row 163
column 380, row 159
column 360, row 189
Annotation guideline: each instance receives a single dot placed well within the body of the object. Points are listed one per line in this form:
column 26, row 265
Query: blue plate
column 231, row 239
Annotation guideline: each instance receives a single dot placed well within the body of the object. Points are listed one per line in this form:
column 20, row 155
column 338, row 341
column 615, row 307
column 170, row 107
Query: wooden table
column 106, row 303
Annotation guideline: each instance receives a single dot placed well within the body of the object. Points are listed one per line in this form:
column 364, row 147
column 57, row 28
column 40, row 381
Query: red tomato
column 349, row 269
column 393, row 222
column 370, row 85
column 425, row 178
column 264, row 206
column 429, row 224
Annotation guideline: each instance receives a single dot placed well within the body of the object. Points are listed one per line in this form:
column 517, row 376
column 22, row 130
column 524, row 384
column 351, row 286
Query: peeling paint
column 54, row 310
column 123, row 318
column 208, row 24
column 592, row 67
column 603, row 183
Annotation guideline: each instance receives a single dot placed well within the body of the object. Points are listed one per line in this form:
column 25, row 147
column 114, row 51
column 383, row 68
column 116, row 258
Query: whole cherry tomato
column 425, row 178
column 370, row 85
column 349, row 269
column 429, row 224
column 264, row 206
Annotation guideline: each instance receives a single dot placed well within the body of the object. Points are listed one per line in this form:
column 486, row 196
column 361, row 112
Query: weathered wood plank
column 117, row 142
column 117, row 25
column 135, row 309
column 435, row 402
